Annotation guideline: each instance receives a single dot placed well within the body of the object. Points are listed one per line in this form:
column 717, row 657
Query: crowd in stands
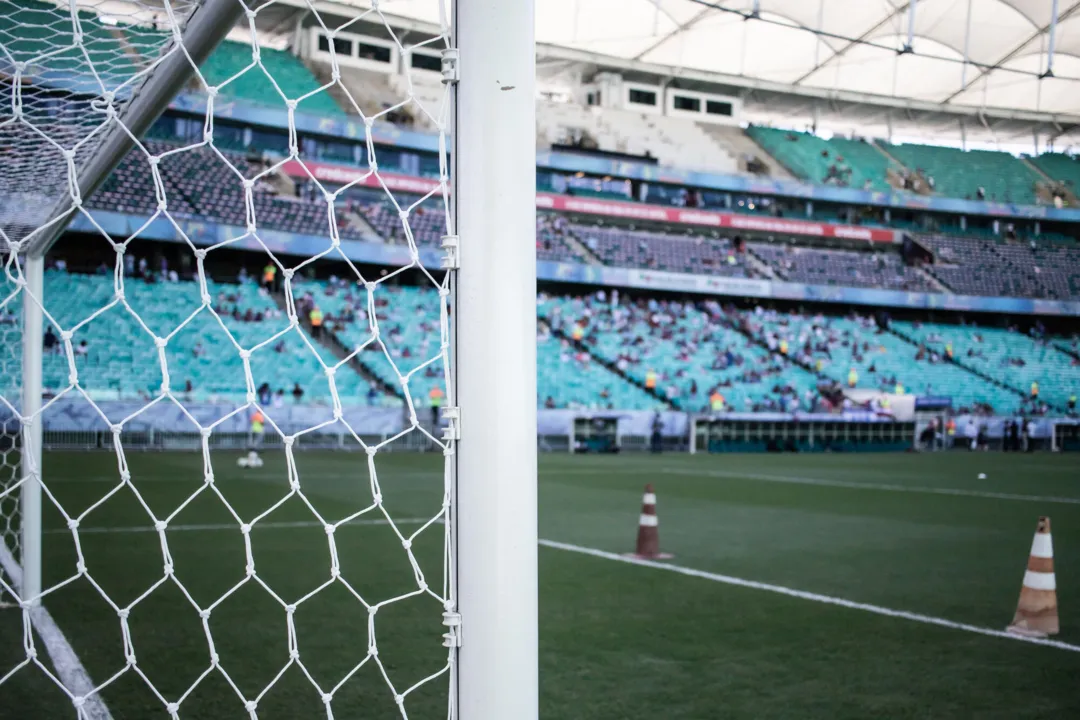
column 604, row 349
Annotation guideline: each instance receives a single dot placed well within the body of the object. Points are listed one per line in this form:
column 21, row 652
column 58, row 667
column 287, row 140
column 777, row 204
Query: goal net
column 192, row 286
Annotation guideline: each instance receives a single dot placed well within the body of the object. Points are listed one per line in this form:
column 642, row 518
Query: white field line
column 821, row 482
column 813, row 597
column 65, row 662
column 234, row 526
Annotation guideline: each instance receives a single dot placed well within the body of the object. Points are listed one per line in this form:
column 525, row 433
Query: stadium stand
column 745, row 151
column 759, row 359
column 408, row 322
column 199, row 182
column 199, row 347
column 253, row 85
column 974, row 266
column 692, row 351
column 958, row 173
column 849, row 163
column 637, row 248
column 672, row 141
column 33, row 32
column 848, row 268
column 1059, row 166
column 834, row 346
column 1017, row 359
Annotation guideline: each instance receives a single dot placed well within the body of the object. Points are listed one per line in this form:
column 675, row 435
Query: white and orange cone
column 1037, row 611
column 648, row 536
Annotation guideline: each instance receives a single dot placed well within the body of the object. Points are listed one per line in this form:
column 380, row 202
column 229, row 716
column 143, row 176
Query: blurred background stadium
column 762, row 226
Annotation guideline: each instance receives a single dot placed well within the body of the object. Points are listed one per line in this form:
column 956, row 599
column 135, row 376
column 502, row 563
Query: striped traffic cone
column 648, row 536
column 1037, row 611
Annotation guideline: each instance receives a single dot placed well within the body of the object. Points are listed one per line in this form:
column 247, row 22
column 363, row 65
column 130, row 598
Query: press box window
column 716, row 107
column 688, row 104
column 643, row 97
column 376, row 53
column 423, row 61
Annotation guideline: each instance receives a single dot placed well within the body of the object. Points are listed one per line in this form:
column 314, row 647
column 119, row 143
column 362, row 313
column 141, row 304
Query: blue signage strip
column 373, row 250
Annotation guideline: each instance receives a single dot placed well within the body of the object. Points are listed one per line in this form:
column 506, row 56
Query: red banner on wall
column 711, row 218
column 343, row 175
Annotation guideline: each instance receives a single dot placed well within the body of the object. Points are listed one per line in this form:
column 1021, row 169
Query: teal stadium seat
column 959, row 173
column 122, row 360
column 809, row 156
column 288, row 71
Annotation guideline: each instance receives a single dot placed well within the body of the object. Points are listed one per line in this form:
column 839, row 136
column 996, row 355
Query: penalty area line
column 66, row 663
column 804, row 595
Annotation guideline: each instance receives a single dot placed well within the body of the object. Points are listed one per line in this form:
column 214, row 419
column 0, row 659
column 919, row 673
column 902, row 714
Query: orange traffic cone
column 1037, row 611
column 648, row 536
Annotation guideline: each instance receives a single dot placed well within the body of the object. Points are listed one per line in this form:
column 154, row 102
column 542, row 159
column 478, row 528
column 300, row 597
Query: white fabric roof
column 1006, row 35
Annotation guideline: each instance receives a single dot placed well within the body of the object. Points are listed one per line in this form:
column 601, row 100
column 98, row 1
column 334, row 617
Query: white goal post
column 488, row 180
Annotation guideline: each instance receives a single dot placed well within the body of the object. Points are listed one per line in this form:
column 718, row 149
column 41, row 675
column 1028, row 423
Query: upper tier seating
column 1060, row 167
column 41, row 34
column 850, row 268
column 295, row 80
column 851, row 163
column 744, row 149
column 959, row 173
column 672, row 141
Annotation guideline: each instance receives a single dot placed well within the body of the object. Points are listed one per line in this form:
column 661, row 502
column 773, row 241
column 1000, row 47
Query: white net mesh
column 242, row 578
column 10, row 387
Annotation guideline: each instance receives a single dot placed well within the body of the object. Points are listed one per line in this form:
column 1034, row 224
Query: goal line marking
column 822, row 482
column 362, row 522
column 804, row 595
column 66, row 663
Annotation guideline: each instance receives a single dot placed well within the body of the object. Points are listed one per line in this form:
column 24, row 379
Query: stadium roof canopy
column 853, row 45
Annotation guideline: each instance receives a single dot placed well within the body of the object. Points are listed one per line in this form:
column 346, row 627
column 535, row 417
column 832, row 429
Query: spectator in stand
column 279, row 399
column 82, row 349
column 50, row 342
column 269, row 276
column 297, row 393
column 316, row 318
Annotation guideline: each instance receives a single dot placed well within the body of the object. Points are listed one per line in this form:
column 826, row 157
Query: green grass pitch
column 617, row 640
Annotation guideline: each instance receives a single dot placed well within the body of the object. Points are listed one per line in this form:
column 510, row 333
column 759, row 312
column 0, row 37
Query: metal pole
column 495, row 347
column 967, row 45
column 910, row 47
column 30, row 491
column 1053, row 32
column 820, row 27
column 207, row 26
